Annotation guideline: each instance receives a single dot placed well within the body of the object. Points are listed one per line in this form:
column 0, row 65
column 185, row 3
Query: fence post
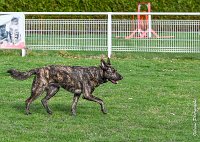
column 149, row 23
column 23, row 52
column 109, row 40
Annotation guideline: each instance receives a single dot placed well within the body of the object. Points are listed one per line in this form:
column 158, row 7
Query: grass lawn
column 180, row 42
column 153, row 103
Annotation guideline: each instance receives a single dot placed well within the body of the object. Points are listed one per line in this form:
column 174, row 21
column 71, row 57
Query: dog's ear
column 108, row 61
column 103, row 64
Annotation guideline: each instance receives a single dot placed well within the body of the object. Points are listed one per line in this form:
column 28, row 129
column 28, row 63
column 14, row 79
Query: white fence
column 111, row 32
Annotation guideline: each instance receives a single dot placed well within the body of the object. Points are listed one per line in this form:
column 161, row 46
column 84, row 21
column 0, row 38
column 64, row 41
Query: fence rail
column 111, row 33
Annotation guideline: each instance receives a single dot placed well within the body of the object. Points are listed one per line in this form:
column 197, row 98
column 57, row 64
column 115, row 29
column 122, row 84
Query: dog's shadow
column 38, row 108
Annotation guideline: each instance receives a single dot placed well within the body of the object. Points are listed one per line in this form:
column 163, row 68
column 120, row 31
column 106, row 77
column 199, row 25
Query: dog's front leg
column 88, row 96
column 100, row 101
column 74, row 103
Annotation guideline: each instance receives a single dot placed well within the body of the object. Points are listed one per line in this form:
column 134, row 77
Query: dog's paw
column 50, row 112
column 104, row 111
column 28, row 113
column 73, row 114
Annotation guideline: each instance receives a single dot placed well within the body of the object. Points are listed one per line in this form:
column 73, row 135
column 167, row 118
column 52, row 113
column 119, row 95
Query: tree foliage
column 96, row 5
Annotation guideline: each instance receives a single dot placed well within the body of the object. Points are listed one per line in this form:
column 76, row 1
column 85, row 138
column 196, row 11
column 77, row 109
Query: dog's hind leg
column 37, row 89
column 51, row 91
column 27, row 102
column 74, row 103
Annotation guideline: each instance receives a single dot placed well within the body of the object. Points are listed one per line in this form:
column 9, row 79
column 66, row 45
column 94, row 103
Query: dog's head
column 110, row 73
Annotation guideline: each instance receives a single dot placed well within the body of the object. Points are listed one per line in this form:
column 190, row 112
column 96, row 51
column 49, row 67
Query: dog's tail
column 21, row 75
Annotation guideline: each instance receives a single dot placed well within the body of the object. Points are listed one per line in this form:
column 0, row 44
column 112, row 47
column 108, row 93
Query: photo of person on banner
column 12, row 33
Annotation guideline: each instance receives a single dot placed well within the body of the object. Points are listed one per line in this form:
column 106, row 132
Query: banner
column 12, row 31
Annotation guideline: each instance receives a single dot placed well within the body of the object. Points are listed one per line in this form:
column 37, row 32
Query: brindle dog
column 76, row 79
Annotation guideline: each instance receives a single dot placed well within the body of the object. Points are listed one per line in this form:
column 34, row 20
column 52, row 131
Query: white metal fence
column 166, row 36
column 112, row 33
column 67, row 34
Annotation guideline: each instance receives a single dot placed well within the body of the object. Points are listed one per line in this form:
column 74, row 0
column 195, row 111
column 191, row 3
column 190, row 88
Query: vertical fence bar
column 23, row 52
column 109, row 40
column 149, row 23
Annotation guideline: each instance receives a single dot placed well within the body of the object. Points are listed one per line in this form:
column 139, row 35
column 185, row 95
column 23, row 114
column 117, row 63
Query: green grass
column 154, row 102
column 180, row 42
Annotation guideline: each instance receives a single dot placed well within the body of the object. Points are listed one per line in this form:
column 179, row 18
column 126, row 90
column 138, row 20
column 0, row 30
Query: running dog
column 76, row 79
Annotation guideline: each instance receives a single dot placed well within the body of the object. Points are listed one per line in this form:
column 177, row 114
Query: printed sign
column 12, row 31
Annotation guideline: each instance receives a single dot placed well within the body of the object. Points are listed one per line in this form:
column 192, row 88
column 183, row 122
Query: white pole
column 149, row 20
column 23, row 52
column 109, row 34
